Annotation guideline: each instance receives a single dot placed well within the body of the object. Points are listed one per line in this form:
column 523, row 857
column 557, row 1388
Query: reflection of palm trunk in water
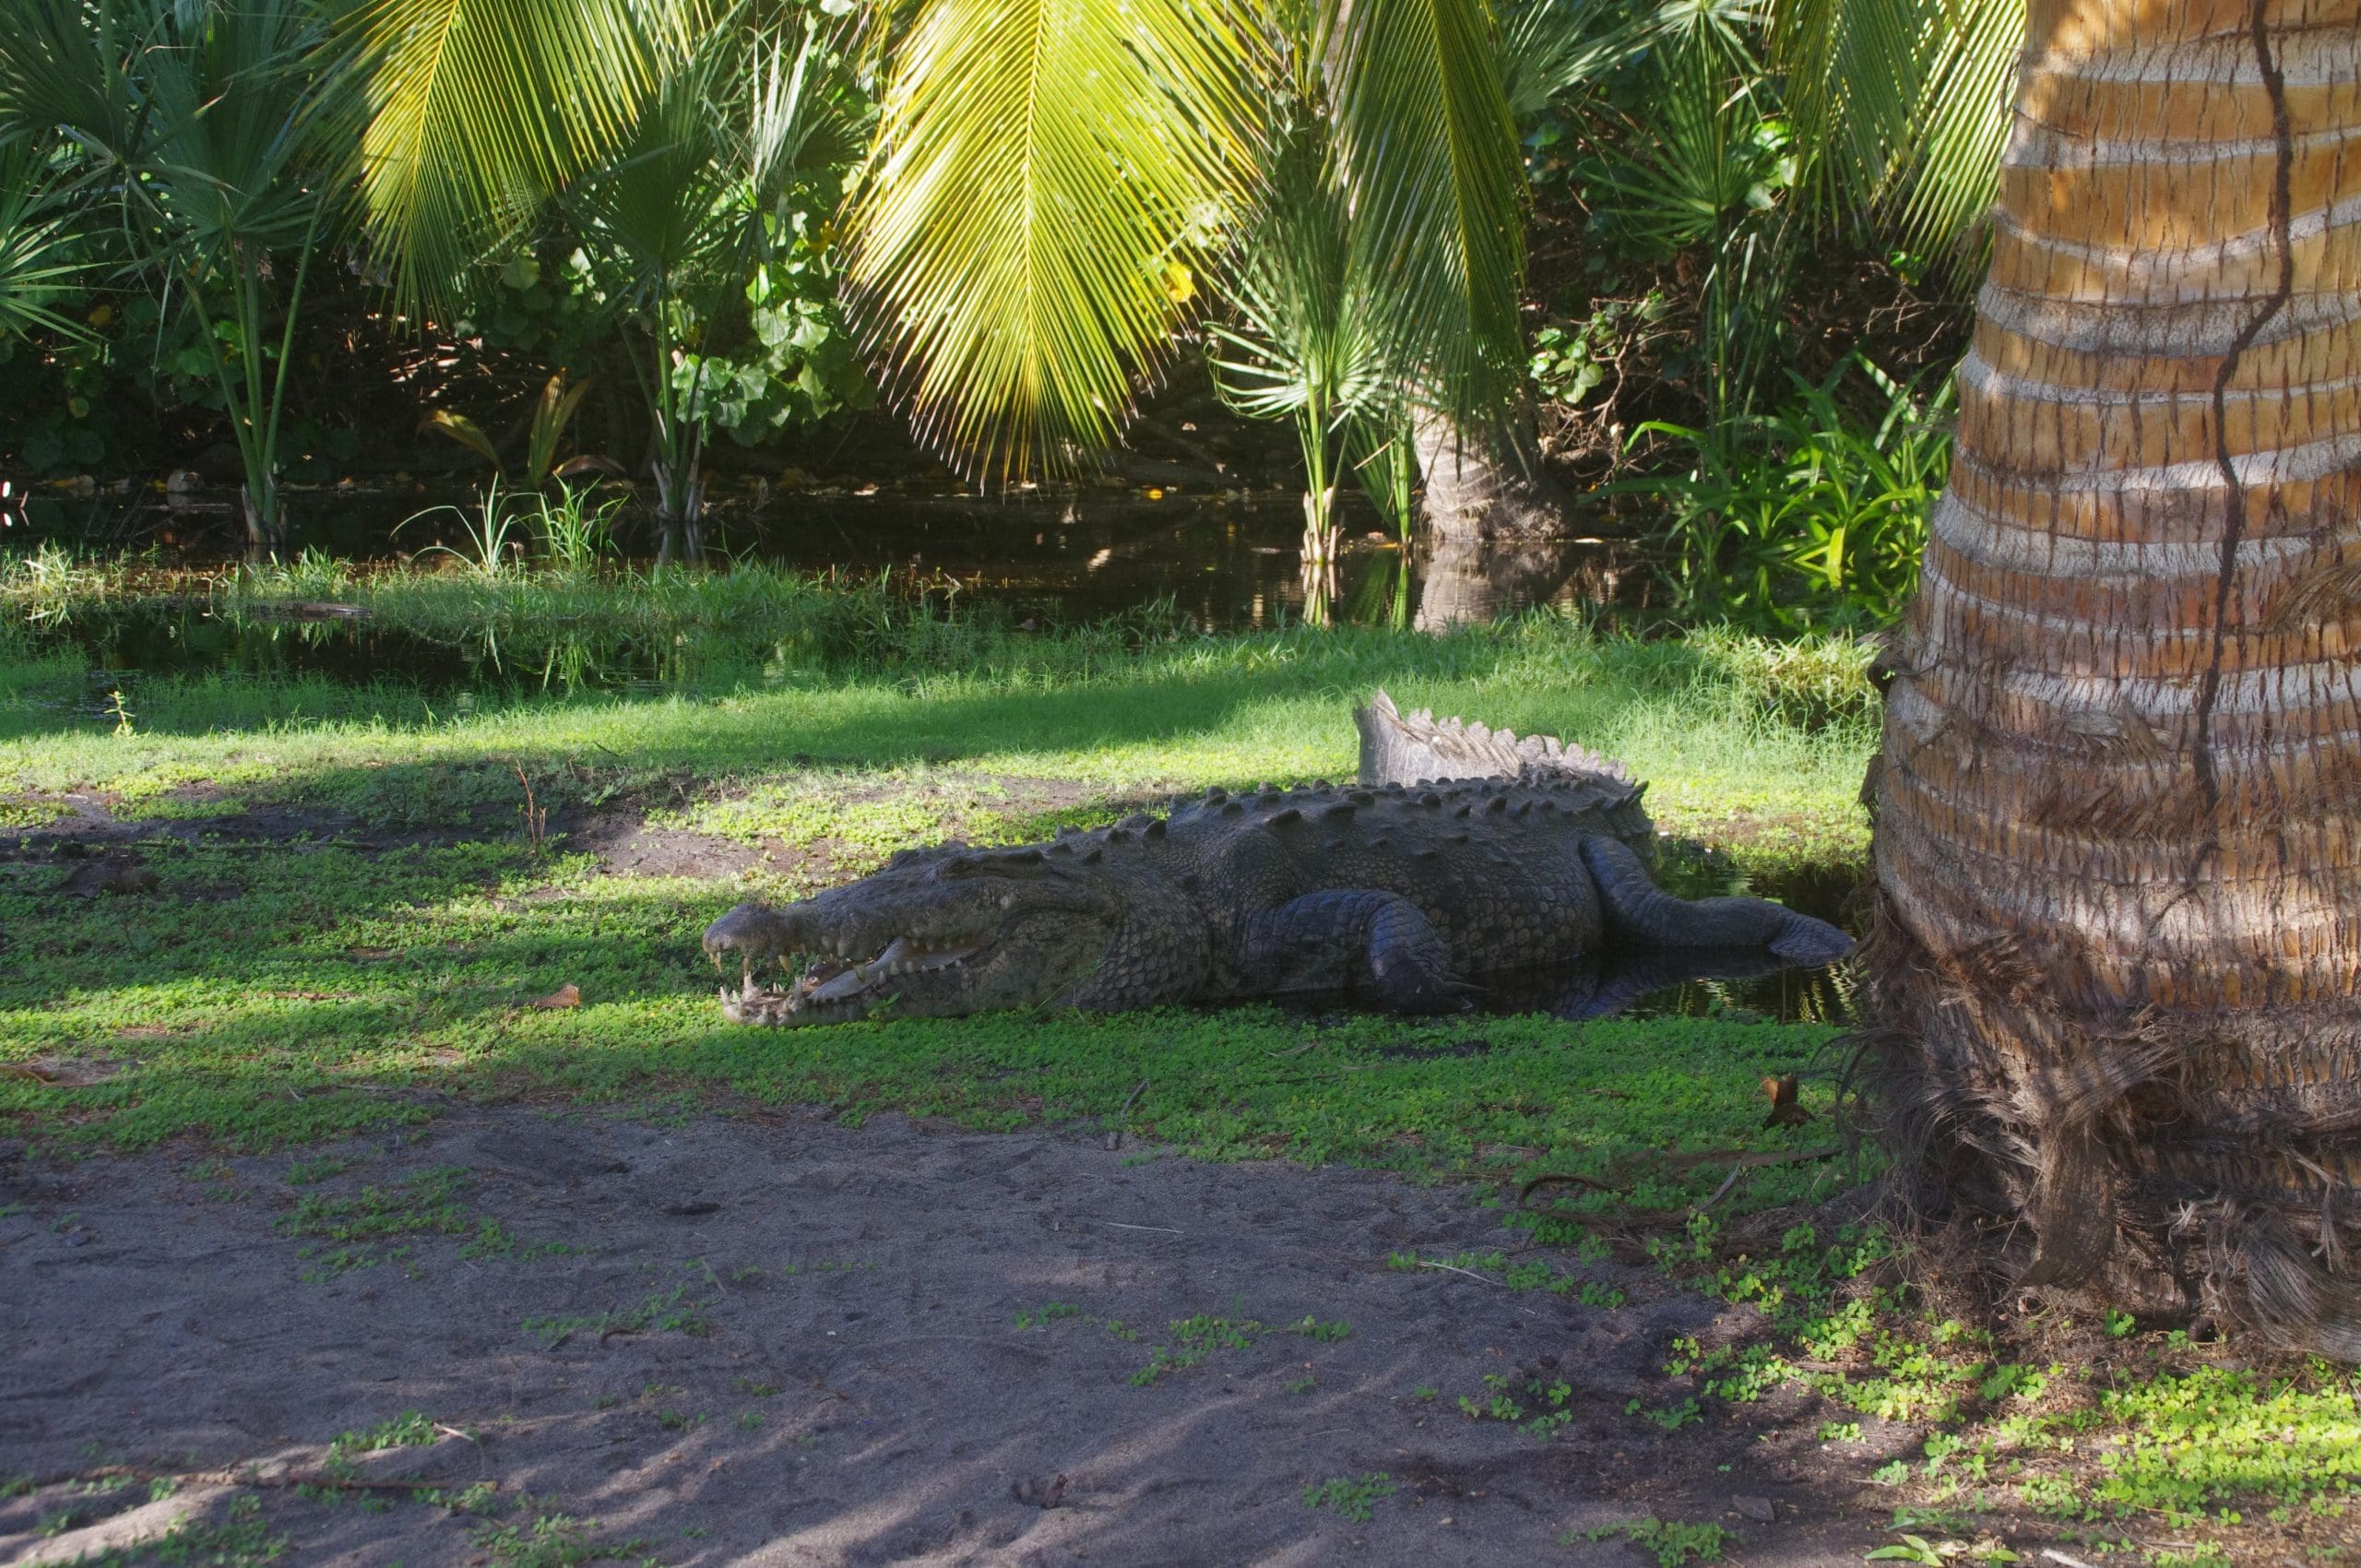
column 1494, row 517
column 1473, row 580
column 679, row 507
column 679, row 521
column 266, row 529
column 1319, row 555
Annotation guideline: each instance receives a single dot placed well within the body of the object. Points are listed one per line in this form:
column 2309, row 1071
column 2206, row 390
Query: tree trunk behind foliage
column 2118, row 836
column 1486, row 487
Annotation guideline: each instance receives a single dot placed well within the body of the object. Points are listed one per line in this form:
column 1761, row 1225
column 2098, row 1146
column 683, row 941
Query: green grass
column 282, row 993
column 760, row 667
column 342, row 981
column 1670, row 1541
column 2126, row 1434
column 1353, row 1498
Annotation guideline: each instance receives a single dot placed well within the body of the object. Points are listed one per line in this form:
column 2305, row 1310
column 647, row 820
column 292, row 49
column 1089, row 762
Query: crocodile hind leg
column 1637, row 908
column 1360, row 938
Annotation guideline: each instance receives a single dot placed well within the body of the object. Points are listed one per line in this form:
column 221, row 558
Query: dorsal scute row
column 1394, row 744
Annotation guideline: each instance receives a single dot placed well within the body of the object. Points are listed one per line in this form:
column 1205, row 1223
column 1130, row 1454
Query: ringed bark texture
column 2117, row 970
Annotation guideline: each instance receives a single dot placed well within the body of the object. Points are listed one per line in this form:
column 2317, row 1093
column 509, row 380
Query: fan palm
column 1308, row 343
column 193, row 128
column 678, row 217
column 37, row 240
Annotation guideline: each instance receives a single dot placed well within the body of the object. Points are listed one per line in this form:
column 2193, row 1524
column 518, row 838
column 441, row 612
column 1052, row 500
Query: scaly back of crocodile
column 1418, row 748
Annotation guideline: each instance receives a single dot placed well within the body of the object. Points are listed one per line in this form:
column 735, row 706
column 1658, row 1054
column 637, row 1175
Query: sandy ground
column 832, row 1371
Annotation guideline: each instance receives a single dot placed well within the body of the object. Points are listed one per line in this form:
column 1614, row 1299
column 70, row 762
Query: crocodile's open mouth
column 844, row 982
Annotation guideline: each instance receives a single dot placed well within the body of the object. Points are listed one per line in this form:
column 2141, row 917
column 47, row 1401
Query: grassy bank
column 357, row 918
column 596, row 685
column 362, row 883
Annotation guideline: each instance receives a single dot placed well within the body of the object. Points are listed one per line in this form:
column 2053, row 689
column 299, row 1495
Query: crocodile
column 1401, row 896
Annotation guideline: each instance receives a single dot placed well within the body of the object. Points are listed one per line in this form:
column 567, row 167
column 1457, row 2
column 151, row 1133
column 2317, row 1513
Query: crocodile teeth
column 906, row 955
column 842, row 986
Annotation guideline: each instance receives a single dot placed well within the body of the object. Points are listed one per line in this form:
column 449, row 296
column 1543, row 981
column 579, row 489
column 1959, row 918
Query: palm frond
column 1428, row 151
column 474, row 108
column 1021, row 237
column 1308, row 332
column 193, row 116
column 1947, row 181
column 652, row 201
column 37, row 248
column 51, row 66
column 1549, row 47
column 1901, row 108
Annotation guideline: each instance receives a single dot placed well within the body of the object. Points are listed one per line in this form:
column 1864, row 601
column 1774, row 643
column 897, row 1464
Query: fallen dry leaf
column 1785, row 1112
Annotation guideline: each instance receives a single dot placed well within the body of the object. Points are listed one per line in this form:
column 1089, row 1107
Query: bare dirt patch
column 780, row 1339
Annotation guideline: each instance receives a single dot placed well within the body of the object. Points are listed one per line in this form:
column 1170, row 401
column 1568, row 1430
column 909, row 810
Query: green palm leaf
column 1553, row 46
column 1021, row 239
column 476, row 108
column 1428, row 151
column 1901, row 108
column 1306, row 336
column 38, row 259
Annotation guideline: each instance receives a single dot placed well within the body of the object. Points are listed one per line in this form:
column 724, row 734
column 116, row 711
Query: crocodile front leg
column 1638, row 909
column 1358, row 937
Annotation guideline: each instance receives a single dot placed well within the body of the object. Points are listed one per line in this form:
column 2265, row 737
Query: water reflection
column 1466, row 581
column 1226, row 561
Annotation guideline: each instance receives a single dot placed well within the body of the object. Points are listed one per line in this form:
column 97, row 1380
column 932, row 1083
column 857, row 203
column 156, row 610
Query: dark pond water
column 1226, row 561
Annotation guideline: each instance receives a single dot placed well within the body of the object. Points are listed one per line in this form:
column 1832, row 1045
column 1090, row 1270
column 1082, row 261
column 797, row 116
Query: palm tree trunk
column 1482, row 487
column 2117, row 977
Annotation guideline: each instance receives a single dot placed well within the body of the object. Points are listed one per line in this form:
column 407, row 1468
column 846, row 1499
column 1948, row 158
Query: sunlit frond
column 1045, row 175
column 1428, row 151
column 1901, row 108
column 476, row 108
column 1549, row 47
